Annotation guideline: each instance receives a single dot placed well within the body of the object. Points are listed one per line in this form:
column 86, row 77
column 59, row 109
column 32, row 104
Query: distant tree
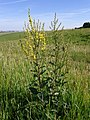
column 86, row 25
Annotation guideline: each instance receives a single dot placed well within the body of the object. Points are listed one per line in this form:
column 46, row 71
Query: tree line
column 85, row 25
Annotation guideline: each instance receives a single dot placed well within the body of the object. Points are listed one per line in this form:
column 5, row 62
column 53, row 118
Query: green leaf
column 53, row 110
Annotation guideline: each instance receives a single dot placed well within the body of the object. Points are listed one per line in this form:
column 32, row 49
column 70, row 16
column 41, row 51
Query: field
column 16, row 101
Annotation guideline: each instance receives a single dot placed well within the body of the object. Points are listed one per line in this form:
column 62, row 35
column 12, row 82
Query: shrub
column 86, row 25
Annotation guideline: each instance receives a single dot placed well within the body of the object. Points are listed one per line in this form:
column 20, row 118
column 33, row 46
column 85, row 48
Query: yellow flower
column 41, row 36
column 37, row 35
column 34, row 57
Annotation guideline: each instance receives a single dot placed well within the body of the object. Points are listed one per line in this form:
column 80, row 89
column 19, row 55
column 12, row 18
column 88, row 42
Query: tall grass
column 63, row 92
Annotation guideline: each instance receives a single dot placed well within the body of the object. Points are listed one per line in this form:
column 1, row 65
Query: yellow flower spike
column 35, row 41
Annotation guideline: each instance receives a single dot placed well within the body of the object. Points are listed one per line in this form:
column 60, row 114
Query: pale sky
column 71, row 13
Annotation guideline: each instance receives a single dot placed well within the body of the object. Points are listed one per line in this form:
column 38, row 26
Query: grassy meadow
column 19, row 102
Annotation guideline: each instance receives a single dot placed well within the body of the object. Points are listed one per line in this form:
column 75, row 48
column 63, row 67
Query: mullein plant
column 48, row 75
column 57, row 70
column 34, row 46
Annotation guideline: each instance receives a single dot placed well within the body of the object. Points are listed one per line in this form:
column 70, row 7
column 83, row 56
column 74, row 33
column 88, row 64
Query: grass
column 79, row 36
column 15, row 77
column 7, row 36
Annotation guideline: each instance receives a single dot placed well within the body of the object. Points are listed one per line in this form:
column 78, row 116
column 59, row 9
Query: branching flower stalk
column 57, row 71
column 56, row 48
column 34, row 46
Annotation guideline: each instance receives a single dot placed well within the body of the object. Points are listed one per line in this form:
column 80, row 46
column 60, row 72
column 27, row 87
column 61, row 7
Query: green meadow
column 19, row 102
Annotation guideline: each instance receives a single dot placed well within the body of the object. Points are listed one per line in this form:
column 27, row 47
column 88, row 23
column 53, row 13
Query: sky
column 71, row 13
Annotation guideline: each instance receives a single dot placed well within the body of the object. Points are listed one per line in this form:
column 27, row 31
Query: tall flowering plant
column 34, row 46
column 34, row 42
column 49, row 74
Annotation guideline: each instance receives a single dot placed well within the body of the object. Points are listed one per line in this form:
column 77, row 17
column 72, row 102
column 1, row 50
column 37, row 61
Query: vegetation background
column 55, row 84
